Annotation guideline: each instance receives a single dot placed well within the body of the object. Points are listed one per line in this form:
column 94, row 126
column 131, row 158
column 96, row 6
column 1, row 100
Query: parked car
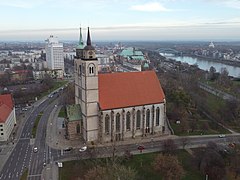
column 82, row 149
column 68, row 149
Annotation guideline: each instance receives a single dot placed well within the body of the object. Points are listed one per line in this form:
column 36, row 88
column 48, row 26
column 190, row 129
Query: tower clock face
column 90, row 53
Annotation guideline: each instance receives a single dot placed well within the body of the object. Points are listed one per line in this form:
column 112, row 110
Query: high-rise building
column 54, row 53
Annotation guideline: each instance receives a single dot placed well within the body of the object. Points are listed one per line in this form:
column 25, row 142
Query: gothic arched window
column 107, row 124
column 118, row 122
column 91, row 69
column 78, row 128
column 157, row 116
column 138, row 119
column 148, row 119
column 128, row 123
column 80, row 70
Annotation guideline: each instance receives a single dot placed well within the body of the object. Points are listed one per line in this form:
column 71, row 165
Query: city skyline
column 158, row 20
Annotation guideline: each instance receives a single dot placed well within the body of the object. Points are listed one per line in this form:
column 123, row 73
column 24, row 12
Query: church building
column 116, row 106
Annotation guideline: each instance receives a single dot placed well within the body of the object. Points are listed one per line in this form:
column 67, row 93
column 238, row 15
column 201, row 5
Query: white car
column 221, row 135
column 35, row 149
column 82, row 149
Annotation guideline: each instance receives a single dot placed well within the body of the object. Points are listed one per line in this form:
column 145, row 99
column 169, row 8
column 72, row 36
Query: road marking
column 23, row 138
column 34, row 175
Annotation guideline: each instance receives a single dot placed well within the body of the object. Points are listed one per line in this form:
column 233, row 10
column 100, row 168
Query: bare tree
column 185, row 141
column 168, row 166
column 169, row 146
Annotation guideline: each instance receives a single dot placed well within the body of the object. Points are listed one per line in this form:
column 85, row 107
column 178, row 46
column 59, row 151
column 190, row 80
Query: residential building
column 54, row 53
column 7, row 116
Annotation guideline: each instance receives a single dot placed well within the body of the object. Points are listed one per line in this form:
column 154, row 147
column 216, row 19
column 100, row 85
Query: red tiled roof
column 118, row 90
column 6, row 106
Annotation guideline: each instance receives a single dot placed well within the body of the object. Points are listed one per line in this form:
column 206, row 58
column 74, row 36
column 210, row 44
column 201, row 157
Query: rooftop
column 6, row 106
column 74, row 112
column 119, row 90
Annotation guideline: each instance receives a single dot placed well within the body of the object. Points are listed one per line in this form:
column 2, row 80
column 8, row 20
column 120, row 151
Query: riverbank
column 205, row 64
column 227, row 62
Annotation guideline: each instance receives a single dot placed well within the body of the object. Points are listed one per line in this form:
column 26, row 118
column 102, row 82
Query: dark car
column 68, row 149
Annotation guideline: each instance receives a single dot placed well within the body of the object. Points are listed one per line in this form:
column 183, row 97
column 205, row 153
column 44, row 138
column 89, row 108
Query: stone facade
column 73, row 130
column 116, row 107
column 125, row 123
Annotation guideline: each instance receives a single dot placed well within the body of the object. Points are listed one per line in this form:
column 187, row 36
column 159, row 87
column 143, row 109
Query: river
column 206, row 64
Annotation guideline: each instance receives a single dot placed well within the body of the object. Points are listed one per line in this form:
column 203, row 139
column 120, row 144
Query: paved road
column 22, row 156
column 151, row 146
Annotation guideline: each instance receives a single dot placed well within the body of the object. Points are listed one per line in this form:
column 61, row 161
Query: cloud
column 150, row 7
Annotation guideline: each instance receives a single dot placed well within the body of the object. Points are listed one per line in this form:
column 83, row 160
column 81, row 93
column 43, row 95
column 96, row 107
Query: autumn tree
column 168, row 166
column 110, row 172
column 235, row 165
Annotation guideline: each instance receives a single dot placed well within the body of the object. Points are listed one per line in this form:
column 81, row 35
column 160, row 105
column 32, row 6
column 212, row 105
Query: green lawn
column 192, row 173
column 142, row 164
column 24, row 175
column 214, row 128
column 34, row 129
column 62, row 113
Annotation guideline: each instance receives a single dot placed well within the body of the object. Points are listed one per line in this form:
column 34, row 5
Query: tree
column 68, row 95
column 185, row 141
column 47, row 81
column 110, row 172
column 169, row 146
column 168, row 166
column 223, row 78
column 212, row 73
column 235, row 165
column 212, row 164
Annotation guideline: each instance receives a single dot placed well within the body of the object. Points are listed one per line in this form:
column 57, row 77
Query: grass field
column 34, row 129
column 24, row 175
column 62, row 113
column 142, row 164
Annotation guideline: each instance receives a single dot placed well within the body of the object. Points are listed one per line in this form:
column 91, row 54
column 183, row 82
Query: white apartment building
column 54, row 53
column 7, row 116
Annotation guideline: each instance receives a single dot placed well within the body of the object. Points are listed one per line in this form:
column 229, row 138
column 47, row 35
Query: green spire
column 80, row 44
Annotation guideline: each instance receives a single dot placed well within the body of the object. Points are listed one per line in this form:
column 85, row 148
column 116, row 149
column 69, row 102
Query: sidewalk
column 56, row 133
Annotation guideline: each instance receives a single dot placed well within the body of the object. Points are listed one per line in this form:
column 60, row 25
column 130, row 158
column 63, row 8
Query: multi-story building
column 54, row 53
column 7, row 116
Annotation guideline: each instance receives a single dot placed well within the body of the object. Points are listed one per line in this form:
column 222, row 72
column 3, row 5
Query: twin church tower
column 86, row 87
column 116, row 106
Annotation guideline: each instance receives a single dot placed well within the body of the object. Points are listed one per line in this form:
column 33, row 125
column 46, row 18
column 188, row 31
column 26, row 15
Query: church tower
column 79, row 55
column 86, row 86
